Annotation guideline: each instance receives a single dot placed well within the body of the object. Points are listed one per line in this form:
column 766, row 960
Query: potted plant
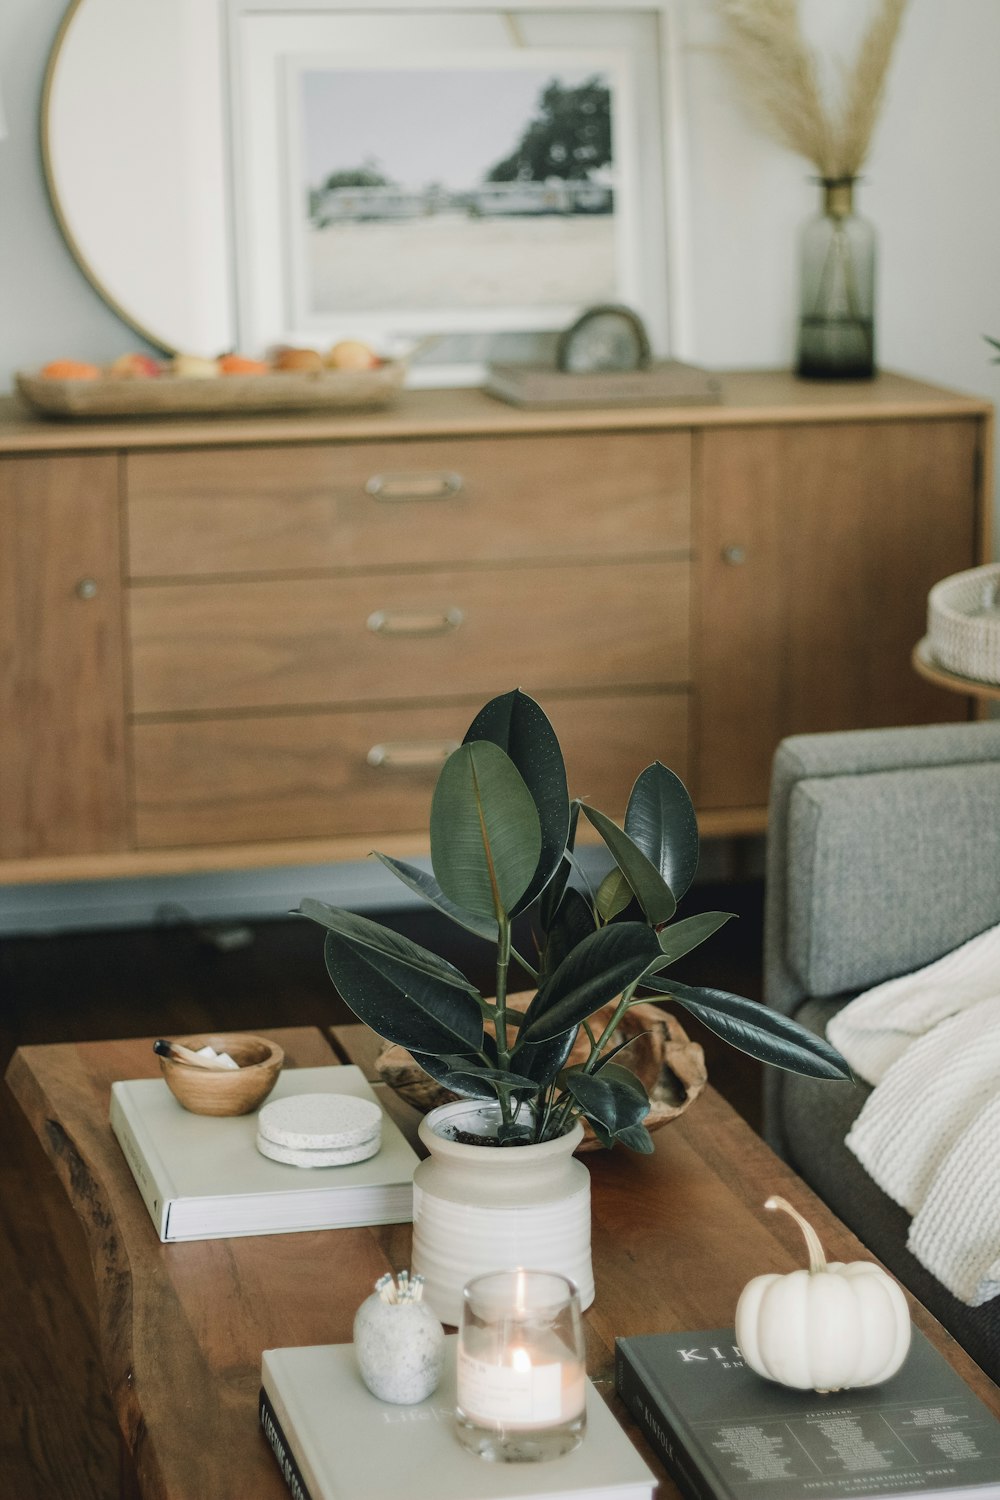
column 502, row 835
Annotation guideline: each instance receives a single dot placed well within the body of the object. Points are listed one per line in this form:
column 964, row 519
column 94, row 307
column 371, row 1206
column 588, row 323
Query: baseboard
column 251, row 894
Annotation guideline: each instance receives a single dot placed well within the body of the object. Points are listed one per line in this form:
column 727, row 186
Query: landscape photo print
column 467, row 193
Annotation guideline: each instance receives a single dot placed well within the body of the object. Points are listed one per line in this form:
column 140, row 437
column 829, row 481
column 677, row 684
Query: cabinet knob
column 86, row 588
column 733, row 554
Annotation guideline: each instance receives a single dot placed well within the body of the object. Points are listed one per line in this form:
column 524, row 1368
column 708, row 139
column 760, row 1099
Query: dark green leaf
column 496, row 1078
column 520, row 728
column 590, row 976
column 485, row 833
column 439, row 1069
column 660, row 821
column 553, row 892
column 638, row 1138
column 573, row 922
column 680, row 937
column 611, row 1103
column 606, row 1057
column 651, row 890
column 613, row 1072
column 402, row 991
column 514, row 1134
column 426, row 886
column 543, row 1061
column 757, row 1030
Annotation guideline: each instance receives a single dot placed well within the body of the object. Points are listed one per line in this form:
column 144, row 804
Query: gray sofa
column 883, row 854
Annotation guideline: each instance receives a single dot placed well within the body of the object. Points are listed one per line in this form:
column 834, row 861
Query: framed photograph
column 515, row 221
column 466, row 178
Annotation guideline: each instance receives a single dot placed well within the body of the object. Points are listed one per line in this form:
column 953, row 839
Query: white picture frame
column 274, row 44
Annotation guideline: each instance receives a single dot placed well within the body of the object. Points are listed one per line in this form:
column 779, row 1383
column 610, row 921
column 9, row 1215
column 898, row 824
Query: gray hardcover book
column 727, row 1434
column 201, row 1177
column 541, row 388
column 334, row 1441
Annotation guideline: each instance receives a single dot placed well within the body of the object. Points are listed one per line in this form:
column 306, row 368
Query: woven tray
column 963, row 623
column 180, row 395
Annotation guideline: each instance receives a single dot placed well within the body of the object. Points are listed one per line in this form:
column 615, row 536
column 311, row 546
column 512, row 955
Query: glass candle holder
column 521, row 1369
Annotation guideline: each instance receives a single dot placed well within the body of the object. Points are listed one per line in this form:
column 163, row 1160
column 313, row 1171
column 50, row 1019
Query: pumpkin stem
column 817, row 1260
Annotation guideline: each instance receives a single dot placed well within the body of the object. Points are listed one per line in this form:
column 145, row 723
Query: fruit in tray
column 351, row 354
column 70, row 369
column 239, row 364
column 301, row 361
column 194, row 367
column 133, row 367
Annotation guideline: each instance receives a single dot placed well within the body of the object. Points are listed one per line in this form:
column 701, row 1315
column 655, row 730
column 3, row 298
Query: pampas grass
column 781, row 77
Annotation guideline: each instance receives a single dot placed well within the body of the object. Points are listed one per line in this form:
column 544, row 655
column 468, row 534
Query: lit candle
column 521, row 1374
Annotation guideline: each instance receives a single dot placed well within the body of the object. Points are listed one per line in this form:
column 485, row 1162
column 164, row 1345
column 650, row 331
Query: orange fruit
column 239, row 364
column 70, row 369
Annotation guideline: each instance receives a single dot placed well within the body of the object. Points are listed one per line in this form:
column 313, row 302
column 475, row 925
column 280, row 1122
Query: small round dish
column 225, row 1091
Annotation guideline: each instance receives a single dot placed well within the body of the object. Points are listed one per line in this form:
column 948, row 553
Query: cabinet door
column 817, row 545
column 62, row 734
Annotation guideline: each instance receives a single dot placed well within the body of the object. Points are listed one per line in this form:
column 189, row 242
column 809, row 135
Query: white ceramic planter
column 485, row 1208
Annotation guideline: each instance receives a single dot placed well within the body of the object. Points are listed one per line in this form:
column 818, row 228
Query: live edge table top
column 676, row 1236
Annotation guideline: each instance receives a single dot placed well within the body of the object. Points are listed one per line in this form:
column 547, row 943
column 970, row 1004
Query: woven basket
column 963, row 623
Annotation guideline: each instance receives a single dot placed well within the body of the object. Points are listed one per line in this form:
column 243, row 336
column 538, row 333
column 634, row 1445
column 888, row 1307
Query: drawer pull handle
column 733, row 555
column 86, row 588
column 382, row 622
column 402, row 487
column 411, row 755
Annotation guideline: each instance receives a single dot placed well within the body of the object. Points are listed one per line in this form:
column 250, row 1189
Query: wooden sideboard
column 238, row 642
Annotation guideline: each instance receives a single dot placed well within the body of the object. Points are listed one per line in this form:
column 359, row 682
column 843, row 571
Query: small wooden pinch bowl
column 225, row 1091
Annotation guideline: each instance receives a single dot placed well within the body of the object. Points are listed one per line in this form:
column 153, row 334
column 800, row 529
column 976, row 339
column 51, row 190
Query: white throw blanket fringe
column 929, row 1135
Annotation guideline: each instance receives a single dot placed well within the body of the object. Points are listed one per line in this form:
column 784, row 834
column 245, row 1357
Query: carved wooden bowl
column 671, row 1066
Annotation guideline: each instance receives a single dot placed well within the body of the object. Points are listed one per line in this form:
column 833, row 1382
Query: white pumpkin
column 827, row 1328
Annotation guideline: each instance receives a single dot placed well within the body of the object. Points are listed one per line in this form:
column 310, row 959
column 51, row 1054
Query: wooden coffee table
column 676, row 1236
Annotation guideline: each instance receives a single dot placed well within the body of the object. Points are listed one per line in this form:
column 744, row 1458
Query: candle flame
column 520, row 1358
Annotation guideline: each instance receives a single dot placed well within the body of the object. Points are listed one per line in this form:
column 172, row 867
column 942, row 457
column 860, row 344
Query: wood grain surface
column 62, row 715
column 209, row 780
column 469, row 500
column 676, row 1235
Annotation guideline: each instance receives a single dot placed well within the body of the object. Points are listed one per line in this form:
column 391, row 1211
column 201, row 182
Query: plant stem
column 596, row 1048
column 503, row 1049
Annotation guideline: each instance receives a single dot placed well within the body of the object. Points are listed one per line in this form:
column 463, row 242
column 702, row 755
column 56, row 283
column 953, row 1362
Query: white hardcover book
column 201, row 1177
column 334, row 1441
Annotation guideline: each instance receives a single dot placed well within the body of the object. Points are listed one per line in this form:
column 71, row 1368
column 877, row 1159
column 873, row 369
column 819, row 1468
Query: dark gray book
column 334, row 1441
column 727, row 1434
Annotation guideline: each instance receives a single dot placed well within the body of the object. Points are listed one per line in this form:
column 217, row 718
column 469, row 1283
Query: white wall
column 932, row 189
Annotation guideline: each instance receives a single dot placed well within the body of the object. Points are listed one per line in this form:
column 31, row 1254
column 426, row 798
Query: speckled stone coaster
column 321, row 1122
column 333, row 1156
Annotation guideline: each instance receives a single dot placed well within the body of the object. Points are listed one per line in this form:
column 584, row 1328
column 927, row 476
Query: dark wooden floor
column 57, row 1433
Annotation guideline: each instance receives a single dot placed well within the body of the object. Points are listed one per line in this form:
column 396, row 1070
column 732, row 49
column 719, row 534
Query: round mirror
column 135, row 157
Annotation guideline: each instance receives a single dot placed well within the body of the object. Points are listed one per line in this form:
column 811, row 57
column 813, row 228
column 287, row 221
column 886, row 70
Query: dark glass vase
column 837, row 290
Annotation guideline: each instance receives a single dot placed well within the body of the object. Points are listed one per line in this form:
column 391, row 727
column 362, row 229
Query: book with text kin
column 727, row 1434
column 334, row 1441
column 202, row 1177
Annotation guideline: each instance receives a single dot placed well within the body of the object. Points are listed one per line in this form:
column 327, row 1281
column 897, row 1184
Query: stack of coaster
column 319, row 1130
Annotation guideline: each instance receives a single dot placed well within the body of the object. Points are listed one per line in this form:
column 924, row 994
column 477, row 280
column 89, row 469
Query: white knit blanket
column 929, row 1134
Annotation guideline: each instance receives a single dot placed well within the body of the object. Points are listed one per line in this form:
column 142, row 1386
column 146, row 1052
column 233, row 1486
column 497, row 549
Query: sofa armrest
column 883, row 853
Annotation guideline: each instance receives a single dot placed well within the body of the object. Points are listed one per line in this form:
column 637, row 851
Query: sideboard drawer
column 277, row 509
column 287, row 776
column 397, row 636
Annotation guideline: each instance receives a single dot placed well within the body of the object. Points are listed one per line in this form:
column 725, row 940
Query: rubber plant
column 502, row 833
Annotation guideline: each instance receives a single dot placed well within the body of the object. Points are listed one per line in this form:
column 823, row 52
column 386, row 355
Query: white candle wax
column 529, row 1390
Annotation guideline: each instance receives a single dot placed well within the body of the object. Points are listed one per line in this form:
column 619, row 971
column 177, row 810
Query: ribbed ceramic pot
column 488, row 1208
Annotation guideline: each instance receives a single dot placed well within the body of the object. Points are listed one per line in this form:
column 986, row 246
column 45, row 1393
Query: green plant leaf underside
column 651, row 890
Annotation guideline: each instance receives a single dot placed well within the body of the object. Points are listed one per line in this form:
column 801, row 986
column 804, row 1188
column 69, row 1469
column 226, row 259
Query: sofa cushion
column 921, row 894
column 814, row 1116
